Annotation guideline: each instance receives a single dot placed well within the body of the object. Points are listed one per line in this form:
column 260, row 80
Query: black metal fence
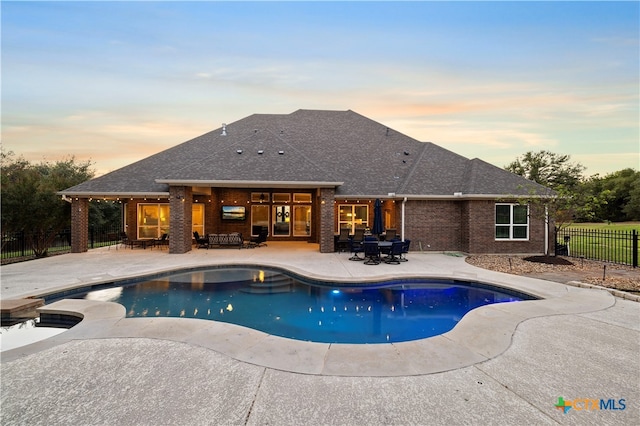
column 17, row 244
column 596, row 244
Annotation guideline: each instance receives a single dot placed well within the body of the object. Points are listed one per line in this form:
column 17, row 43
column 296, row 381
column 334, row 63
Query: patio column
column 79, row 225
column 327, row 220
column 180, row 202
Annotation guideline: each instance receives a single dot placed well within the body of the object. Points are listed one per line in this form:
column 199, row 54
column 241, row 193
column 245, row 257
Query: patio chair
column 390, row 234
column 201, row 242
column 394, row 254
column 342, row 243
column 358, row 236
column 371, row 253
column 405, row 250
column 261, row 239
column 355, row 247
column 162, row 241
column 125, row 241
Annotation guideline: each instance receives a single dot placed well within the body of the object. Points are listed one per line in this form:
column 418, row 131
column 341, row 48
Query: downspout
column 404, row 201
column 546, row 230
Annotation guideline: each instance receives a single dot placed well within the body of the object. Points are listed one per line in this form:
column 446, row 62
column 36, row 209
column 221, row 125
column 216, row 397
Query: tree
column 29, row 199
column 619, row 195
column 552, row 170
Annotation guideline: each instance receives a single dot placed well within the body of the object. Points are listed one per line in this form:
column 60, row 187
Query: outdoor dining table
column 384, row 247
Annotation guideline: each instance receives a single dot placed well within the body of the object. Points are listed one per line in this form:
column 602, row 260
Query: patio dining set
column 372, row 250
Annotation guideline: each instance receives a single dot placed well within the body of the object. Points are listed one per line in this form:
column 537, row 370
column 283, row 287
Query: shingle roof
column 312, row 148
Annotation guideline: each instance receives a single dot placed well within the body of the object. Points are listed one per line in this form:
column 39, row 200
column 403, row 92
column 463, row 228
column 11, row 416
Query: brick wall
column 79, row 225
column 433, row 225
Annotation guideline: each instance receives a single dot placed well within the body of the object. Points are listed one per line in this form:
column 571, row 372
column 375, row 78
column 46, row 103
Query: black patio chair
column 371, row 253
column 261, row 239
column 390, row 234
column 405, row 250
column 394, row 254
column 355, row 247
column 201, row 242
column 162, row 241
column 124, row 240
column 342, row 243
column 358, row 236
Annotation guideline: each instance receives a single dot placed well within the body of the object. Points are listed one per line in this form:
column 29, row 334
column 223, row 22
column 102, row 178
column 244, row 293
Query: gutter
column 404, row 201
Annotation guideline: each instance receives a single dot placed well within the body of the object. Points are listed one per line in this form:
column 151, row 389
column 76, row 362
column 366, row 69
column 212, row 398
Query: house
column 308, row 174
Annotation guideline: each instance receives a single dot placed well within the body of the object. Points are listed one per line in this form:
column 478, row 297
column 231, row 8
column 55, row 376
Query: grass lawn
column 609, row 242
column 613, row 226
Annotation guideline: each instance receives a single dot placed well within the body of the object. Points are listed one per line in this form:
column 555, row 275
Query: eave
column 249, row 183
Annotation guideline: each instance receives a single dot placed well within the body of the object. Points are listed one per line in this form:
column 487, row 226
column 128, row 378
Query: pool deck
column 503, row 364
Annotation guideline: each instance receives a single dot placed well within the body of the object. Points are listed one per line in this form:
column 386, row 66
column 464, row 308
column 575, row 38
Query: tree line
column 614, row 197
column 30, row 203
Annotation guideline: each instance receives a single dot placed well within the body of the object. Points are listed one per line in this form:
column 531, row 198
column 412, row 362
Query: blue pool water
column 283, row 305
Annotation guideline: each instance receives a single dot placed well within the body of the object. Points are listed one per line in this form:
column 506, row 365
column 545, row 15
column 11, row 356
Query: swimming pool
column 283, row 304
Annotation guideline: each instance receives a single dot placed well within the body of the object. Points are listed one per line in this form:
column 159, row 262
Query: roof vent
column 255, row 130
column 281, row 152
column 224, row 130
column 406, row 153
column 260, row 151
column 239, row 151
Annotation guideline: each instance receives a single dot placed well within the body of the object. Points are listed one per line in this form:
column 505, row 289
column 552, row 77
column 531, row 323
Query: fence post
column 23, row 243
column 634, row 242
column 91, row 235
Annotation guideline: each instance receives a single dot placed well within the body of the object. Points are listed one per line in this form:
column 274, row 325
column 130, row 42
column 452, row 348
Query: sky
column 115, row 82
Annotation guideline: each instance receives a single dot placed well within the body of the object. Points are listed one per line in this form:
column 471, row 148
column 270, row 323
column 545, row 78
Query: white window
column 153, row 220
column 512, row 222
column 352, row 216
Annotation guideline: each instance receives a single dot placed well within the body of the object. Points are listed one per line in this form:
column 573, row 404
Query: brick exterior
column 79, row 225
column 180, row 236
column 433, row 225
column 466, row 226
column 327, row 220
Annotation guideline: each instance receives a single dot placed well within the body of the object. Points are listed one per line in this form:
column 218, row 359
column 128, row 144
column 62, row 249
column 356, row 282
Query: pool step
column 14, row 311
column 281, row 284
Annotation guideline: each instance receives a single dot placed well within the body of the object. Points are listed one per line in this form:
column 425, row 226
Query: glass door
column 281, row 221
column 301, row 221
column 259, row 218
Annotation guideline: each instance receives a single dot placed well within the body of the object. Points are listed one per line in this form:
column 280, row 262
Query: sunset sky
column 114, row 82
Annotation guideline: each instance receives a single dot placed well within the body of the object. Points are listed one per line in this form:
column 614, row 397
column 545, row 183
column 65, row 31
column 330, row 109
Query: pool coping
column 482, row 334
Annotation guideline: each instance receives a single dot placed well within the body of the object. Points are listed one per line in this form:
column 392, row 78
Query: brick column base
column 327, row 220
column 180, row 203
column 79, row 225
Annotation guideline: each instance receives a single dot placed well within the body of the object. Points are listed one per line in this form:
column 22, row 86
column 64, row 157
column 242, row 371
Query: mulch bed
column 549, row 260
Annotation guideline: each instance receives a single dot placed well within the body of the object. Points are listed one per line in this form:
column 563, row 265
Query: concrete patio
column 503, row 364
